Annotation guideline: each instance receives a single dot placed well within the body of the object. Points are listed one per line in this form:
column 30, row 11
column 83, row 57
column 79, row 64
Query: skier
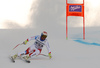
column 36, row 48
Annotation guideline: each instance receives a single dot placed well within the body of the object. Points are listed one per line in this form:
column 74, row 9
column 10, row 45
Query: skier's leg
column 29, row 50
column 29, row 55
column 35, row 52
column 18, row 54
column 21, row 53
column 24, row 52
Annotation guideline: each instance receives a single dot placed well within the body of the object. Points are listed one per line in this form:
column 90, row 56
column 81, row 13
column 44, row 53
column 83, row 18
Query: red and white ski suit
column 36, row 48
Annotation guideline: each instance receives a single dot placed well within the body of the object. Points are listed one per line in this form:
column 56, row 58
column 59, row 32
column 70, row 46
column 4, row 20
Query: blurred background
column 16, row 14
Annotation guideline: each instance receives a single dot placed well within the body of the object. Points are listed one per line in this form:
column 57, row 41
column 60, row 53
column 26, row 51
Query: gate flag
column 75, row 10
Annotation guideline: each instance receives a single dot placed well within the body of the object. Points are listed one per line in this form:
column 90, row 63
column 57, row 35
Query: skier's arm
column 29, row 39
column 32, row 38
column 48, row 48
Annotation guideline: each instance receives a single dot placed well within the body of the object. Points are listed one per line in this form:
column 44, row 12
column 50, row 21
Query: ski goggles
column 44, row 36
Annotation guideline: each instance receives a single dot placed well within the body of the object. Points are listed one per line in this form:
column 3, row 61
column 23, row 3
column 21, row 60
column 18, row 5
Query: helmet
column 44, row 34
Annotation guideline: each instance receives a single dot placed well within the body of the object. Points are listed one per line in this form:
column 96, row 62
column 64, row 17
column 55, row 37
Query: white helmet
column 44, row 33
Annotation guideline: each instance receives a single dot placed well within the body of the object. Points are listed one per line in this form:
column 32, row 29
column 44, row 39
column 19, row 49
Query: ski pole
column 17, row 46
column 44, row 55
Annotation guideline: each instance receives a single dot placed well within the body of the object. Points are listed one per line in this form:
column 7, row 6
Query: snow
column 65, row 53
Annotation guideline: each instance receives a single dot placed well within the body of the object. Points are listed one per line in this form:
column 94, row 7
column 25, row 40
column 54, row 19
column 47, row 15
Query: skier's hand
column 49, row 54
column 25, row 42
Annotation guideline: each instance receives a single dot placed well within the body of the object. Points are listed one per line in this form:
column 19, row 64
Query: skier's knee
column 37, row 52
column 27, row 51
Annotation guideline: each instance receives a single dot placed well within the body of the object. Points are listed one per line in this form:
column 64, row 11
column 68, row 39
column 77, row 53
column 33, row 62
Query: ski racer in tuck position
column 36, row 48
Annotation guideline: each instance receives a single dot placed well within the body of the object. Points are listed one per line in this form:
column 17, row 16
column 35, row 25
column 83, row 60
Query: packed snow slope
column 65, row 53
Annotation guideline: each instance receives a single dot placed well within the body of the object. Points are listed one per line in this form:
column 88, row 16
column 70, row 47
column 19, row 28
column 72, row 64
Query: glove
column 49, row 54
column 25, row 42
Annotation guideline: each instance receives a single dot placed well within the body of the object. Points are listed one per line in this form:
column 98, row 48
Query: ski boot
column 26, row 57
column 14, row 56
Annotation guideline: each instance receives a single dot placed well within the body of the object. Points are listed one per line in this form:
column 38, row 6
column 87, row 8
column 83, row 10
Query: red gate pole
column 66, row 21
column 83, row 22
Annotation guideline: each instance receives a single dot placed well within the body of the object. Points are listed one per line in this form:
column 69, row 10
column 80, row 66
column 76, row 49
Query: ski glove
column 25, row 42
column 49, row 54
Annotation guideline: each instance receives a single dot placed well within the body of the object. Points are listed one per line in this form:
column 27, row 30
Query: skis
column 13, row 60
column 26, row 60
